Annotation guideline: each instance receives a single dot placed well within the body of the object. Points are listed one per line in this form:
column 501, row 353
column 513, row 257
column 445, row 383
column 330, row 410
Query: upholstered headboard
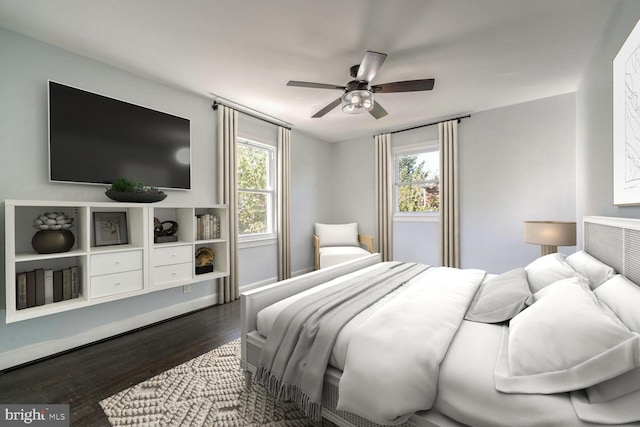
column 616, row 242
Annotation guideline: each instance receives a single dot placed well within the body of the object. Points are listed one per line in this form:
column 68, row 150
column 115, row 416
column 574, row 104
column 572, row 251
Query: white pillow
column 623, row 298
column 546, row 270
column 571, row 280
column 597, row 272
column 565, row 341
column 337, row 234
column 623, row 410
column 629, row 382
column 500, row 298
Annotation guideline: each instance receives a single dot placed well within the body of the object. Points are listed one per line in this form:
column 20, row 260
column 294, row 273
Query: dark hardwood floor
column 83, row 377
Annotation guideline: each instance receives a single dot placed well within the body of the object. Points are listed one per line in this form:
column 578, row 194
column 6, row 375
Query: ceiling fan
column 358, row 93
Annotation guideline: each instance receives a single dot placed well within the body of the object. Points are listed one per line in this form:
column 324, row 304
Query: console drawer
column 117, row 283
column 116, row 262
column 172, row 273
column 172, row 255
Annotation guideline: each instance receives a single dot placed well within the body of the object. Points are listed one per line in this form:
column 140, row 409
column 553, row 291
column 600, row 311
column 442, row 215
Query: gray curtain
column 284, row 203
column 228, row 287
column 384, row 196
column 449, row 194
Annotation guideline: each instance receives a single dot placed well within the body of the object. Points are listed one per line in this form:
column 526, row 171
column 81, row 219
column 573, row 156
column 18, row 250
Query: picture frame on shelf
column 110, row 228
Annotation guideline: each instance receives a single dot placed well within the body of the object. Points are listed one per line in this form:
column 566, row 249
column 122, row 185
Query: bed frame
column 614, row 241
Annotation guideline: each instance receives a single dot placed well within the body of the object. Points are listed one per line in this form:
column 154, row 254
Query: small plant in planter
column 133, row 190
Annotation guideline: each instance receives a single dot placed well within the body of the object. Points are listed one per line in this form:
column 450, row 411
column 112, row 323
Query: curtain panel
column 449, row 194
column 228, row 287
column 384, row 195
column 284, row 203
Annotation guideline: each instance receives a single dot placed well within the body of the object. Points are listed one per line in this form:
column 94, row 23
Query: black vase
column 52, row 241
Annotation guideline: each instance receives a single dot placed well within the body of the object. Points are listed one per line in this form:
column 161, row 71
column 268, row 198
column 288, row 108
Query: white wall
column 594, row 120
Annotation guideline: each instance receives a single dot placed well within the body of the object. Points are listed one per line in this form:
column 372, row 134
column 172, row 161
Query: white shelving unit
column 111, row 272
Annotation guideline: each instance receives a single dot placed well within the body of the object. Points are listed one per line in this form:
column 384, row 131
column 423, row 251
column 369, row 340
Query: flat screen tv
column 94, row 139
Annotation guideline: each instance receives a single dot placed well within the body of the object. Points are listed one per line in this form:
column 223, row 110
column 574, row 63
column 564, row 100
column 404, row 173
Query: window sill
column 254, row 243
column 435, row 218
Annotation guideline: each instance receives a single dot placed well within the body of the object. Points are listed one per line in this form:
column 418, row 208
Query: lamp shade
column 551, row 233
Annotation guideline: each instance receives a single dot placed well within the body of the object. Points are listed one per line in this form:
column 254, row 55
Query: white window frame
column 257, row 239
column 403, row 150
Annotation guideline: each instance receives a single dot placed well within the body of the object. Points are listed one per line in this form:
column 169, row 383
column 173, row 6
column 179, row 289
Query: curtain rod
column 429, row 124
column 249, row 112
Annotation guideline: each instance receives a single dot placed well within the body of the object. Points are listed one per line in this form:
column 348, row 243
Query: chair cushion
column 337, row 255
column 337, row 234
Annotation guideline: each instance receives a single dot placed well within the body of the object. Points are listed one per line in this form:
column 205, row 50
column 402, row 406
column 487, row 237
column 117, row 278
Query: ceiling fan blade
column 406, row 86
column 314, row 85
column 377, row 111
column 328, row 108
column 370, row 65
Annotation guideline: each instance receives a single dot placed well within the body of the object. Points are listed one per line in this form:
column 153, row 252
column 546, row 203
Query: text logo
column 34, row 415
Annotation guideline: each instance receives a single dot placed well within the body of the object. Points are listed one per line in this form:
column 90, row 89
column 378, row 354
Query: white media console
column 109, row 270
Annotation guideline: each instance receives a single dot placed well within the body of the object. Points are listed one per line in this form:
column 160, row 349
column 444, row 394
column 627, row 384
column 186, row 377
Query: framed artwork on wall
column 110, row 228
column 626, row 121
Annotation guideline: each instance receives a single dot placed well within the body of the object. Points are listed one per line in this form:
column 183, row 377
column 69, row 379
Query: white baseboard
column 48, row 348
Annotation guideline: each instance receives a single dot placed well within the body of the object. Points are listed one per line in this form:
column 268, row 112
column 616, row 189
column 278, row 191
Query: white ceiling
column 483, row 54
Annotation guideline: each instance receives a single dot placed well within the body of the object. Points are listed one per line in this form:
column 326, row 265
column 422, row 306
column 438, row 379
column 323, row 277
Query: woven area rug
column 205, row 391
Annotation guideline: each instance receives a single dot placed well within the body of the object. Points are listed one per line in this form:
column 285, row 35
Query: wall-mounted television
column 94, row 139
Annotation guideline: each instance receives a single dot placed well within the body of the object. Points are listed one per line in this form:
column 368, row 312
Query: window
column 256, row 190
column 417, row 181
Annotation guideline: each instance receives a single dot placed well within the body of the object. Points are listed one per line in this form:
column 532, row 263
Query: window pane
column 419, row 167
column 252, row 213
column 418, row 182
column 419, row 198
column 252, row 167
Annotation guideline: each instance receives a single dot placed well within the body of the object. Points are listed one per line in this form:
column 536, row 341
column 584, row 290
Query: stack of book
column 208, row 227
column 46, row 286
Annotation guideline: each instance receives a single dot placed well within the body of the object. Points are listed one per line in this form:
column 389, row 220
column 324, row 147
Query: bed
column 561, row 349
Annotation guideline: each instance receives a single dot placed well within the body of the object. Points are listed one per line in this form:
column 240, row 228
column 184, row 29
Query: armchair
column 338, row 243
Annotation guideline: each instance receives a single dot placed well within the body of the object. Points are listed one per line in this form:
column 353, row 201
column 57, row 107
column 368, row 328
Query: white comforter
column 393, row 357
column 385, row 385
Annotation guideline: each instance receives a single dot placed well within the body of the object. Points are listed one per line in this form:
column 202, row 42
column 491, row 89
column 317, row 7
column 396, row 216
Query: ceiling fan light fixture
column 357, row 101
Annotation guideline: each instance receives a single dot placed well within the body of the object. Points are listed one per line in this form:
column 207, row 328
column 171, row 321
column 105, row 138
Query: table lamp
column 550, row 234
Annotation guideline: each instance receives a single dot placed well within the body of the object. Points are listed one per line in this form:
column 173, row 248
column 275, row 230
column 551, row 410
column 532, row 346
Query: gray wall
column 594, row 121
column 25, row 67
column 310, row 203
column 548, row 159
column 311, row 195
column 516, row 163
column 352, row 179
